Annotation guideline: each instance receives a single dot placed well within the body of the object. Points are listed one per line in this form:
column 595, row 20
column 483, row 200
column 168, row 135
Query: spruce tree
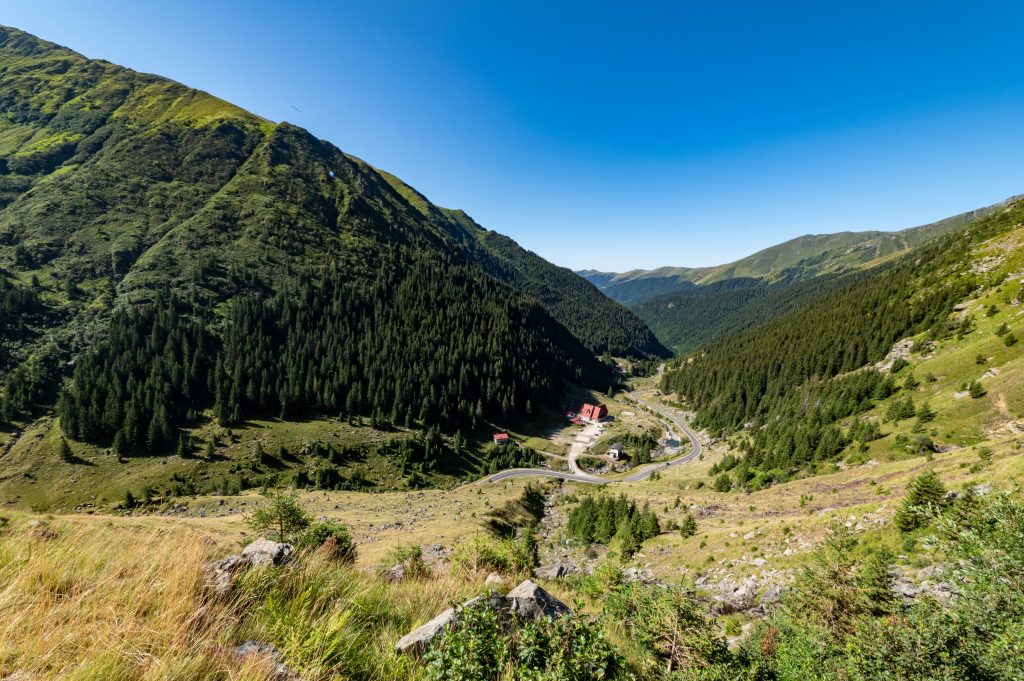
column 687, row 526
column 926, row 495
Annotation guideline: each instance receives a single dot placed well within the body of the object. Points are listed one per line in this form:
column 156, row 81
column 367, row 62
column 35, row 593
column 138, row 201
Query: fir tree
column 926, row 496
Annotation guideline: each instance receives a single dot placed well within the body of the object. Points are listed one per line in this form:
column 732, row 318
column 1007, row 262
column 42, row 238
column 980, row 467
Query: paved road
column 641, row 473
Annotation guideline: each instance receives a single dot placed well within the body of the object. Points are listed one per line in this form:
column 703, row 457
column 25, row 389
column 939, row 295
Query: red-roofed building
column 501, row 439
column 593, row 412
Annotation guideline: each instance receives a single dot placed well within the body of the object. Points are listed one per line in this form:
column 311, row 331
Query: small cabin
column 593, row 412
column 615, row 451
column 501, row 439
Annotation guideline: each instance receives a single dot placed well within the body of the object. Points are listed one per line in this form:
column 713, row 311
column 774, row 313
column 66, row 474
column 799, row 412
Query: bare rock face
column 526, row 601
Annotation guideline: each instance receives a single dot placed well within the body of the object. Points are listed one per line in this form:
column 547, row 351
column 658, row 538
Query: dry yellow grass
column 94, row 601
column 120, row 598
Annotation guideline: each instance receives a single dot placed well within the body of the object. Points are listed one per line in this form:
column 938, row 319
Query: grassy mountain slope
column 790, row 386
column 801, row 258
column 287, row 279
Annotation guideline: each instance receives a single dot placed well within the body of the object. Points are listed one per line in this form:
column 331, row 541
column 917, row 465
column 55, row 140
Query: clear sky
column 617, row 135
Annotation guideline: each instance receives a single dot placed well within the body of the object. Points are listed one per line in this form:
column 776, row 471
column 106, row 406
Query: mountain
column 801, row 258
column 808, row 386
column 179, row 256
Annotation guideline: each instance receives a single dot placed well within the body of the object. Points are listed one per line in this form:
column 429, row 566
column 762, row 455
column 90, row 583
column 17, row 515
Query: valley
column 266, row 411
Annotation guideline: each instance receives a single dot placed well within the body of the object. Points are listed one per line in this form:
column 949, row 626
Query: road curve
column 641, row 473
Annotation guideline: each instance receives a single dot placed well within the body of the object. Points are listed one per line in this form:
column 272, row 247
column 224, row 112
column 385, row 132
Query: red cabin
column 593, row 412
column 501, row 439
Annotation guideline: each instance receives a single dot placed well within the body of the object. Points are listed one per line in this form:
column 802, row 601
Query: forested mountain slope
column 798, row 259
column 792, row 384
column 182, row 254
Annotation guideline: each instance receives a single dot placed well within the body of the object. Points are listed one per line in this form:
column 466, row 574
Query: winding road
column 641, row 473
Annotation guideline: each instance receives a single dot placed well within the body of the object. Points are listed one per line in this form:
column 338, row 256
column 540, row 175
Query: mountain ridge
column 799, row 258
column 127, row 192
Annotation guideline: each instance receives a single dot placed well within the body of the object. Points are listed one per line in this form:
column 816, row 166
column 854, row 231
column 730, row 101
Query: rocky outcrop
column 222, row 574
column 526, row 601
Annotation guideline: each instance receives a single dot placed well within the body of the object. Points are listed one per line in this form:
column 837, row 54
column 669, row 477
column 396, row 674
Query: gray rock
column 418, row 640
column 526, row 601
column 394, row 574
column 531, row 601
column 553, row 571
column 266, row 552
column 771, row 595
column 281, row 672
column 221, row 575
column 494, row 580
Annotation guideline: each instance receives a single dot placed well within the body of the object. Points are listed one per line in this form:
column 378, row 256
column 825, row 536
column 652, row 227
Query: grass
column 86, row 598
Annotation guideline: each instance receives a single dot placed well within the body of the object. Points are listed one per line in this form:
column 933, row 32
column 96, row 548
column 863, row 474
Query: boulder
column 266, row 552
column 771, row 595
column 531, row 601
column 526, row 601
column 40, row 529
column 552, row 571
column 222, row 574
column 494, row 580
column 418, row 640
column 394, row 574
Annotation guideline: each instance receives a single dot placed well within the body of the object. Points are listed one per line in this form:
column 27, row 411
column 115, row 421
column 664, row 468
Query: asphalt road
column 641, row 473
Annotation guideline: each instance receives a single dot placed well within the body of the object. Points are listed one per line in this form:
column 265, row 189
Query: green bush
column 332, row 537
column 481, row 647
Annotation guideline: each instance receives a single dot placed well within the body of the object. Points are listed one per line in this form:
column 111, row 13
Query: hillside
column 283, row 278
column 798, row 259
column 789, row 388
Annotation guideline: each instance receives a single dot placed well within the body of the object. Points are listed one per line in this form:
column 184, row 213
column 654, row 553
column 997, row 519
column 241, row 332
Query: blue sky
column 617, row 135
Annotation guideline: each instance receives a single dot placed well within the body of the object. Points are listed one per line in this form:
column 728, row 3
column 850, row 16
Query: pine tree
column 925, row 412
column 926, row 495
column 64, row 451
column 604, row 526
column 875, row 578
column 687, row 526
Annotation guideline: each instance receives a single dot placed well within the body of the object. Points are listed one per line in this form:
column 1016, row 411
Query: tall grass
column 95, row 599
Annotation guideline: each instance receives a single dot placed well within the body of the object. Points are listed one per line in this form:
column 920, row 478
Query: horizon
column 636, row 129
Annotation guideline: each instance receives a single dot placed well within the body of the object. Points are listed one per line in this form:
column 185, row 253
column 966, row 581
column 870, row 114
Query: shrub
column 481, row 647
column 976, row 390
column 480, row 553
column 409, row 557
column 723, row 483
column 332, row 537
